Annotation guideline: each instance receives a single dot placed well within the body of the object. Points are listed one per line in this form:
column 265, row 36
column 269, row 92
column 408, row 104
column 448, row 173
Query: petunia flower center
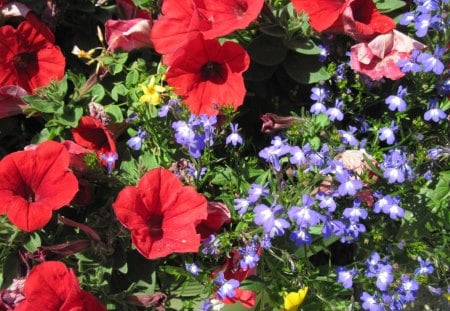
column 240, row 8
column 24, row 61
column 214, row 72
column 155, row 226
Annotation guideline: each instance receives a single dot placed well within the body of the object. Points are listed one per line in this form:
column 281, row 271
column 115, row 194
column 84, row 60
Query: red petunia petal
column 229, row 15
column 127, row 35
column 39, row 60
column 161, row 214
column 322, row 13
column 218, row 216
column 92, row 134
column 51, row 286
column 224, row 86
column 33, row 183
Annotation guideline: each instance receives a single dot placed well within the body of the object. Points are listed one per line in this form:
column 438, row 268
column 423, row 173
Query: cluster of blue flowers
column 427, row 15
column 390, row 294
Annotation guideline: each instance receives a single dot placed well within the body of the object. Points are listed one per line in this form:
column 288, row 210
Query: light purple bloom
column 256, row 191
column 348, row 186
column 250, row 256
column 319, row 94
column 241, row 205
column 345, row 277
column 297, row 156
column 384, row 277
column 422, row 23
column 135, row 142
column 193, row 268
column 434, row 113
column 228, row 289
column 335, row 113
column 273, row 153
column 234, row 138
column 301, row 237
column 387, row 133
column 264, row 216
column 408, row 288
column 317, row 108
column 110, row 158
column 347, row 136
column 432, row 62
column 355, row 213
column 371, row 303
column 425, row 267
column 397, row 102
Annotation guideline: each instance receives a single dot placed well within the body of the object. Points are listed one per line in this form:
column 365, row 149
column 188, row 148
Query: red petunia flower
column 182, row 20
column 93, row 135
column 34, row 183
column 51, row 286
column 28, row 58
column 161, row 214
column 209, row 75
column 359, row 19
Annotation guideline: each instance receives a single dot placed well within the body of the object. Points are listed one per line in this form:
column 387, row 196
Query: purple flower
column 432, row 62
column 192, row 268
column 384, row 276
column 264, row 216
column 345, row 277
column 335, row 112
column 206, row 305
column 422, row 23
column 301, row 237
column 256, row 191
column 250, row 256
column 410, row 65
column 211, row 245
column 434, row 113
column 394, row 210
column 355, row 213
column 395, row 166
column 304, row 215
column 426, row 6
column 347, row 136
column 135, row 142
column 372, row 262
column 273, row 153
column 371, row 303
column 228, row 289
column 234, row 138
column 326, row 201
column 387, row 133
column 297, row 156
column 332, row 226
column 323, row 53
column 406, row 18
column 110, row 158
column 397, row 102
column 184, row 134
column 208, row 123
column 317, row 108
column 241, row 205
column 278, row 227
column 425, row 267
column 319, row 94
column 347, row 184
column 408, row 288
column 352, row 231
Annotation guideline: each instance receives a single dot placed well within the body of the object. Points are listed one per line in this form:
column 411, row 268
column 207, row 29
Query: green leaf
column 321, row 121
column 273, row 30
column 303, row 46
column 252, row 283
column 385, row 6
column 43, row 105
column 132, row 78
column 118, row 89
column 115, row 68
column 305, row 69
column 440, row 195
column 97, row 92
column 267, row 50
column 33, row 242
column 115, row 113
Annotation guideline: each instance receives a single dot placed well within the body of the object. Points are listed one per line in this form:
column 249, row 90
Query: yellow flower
column 151, row 92
column 294, row 300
